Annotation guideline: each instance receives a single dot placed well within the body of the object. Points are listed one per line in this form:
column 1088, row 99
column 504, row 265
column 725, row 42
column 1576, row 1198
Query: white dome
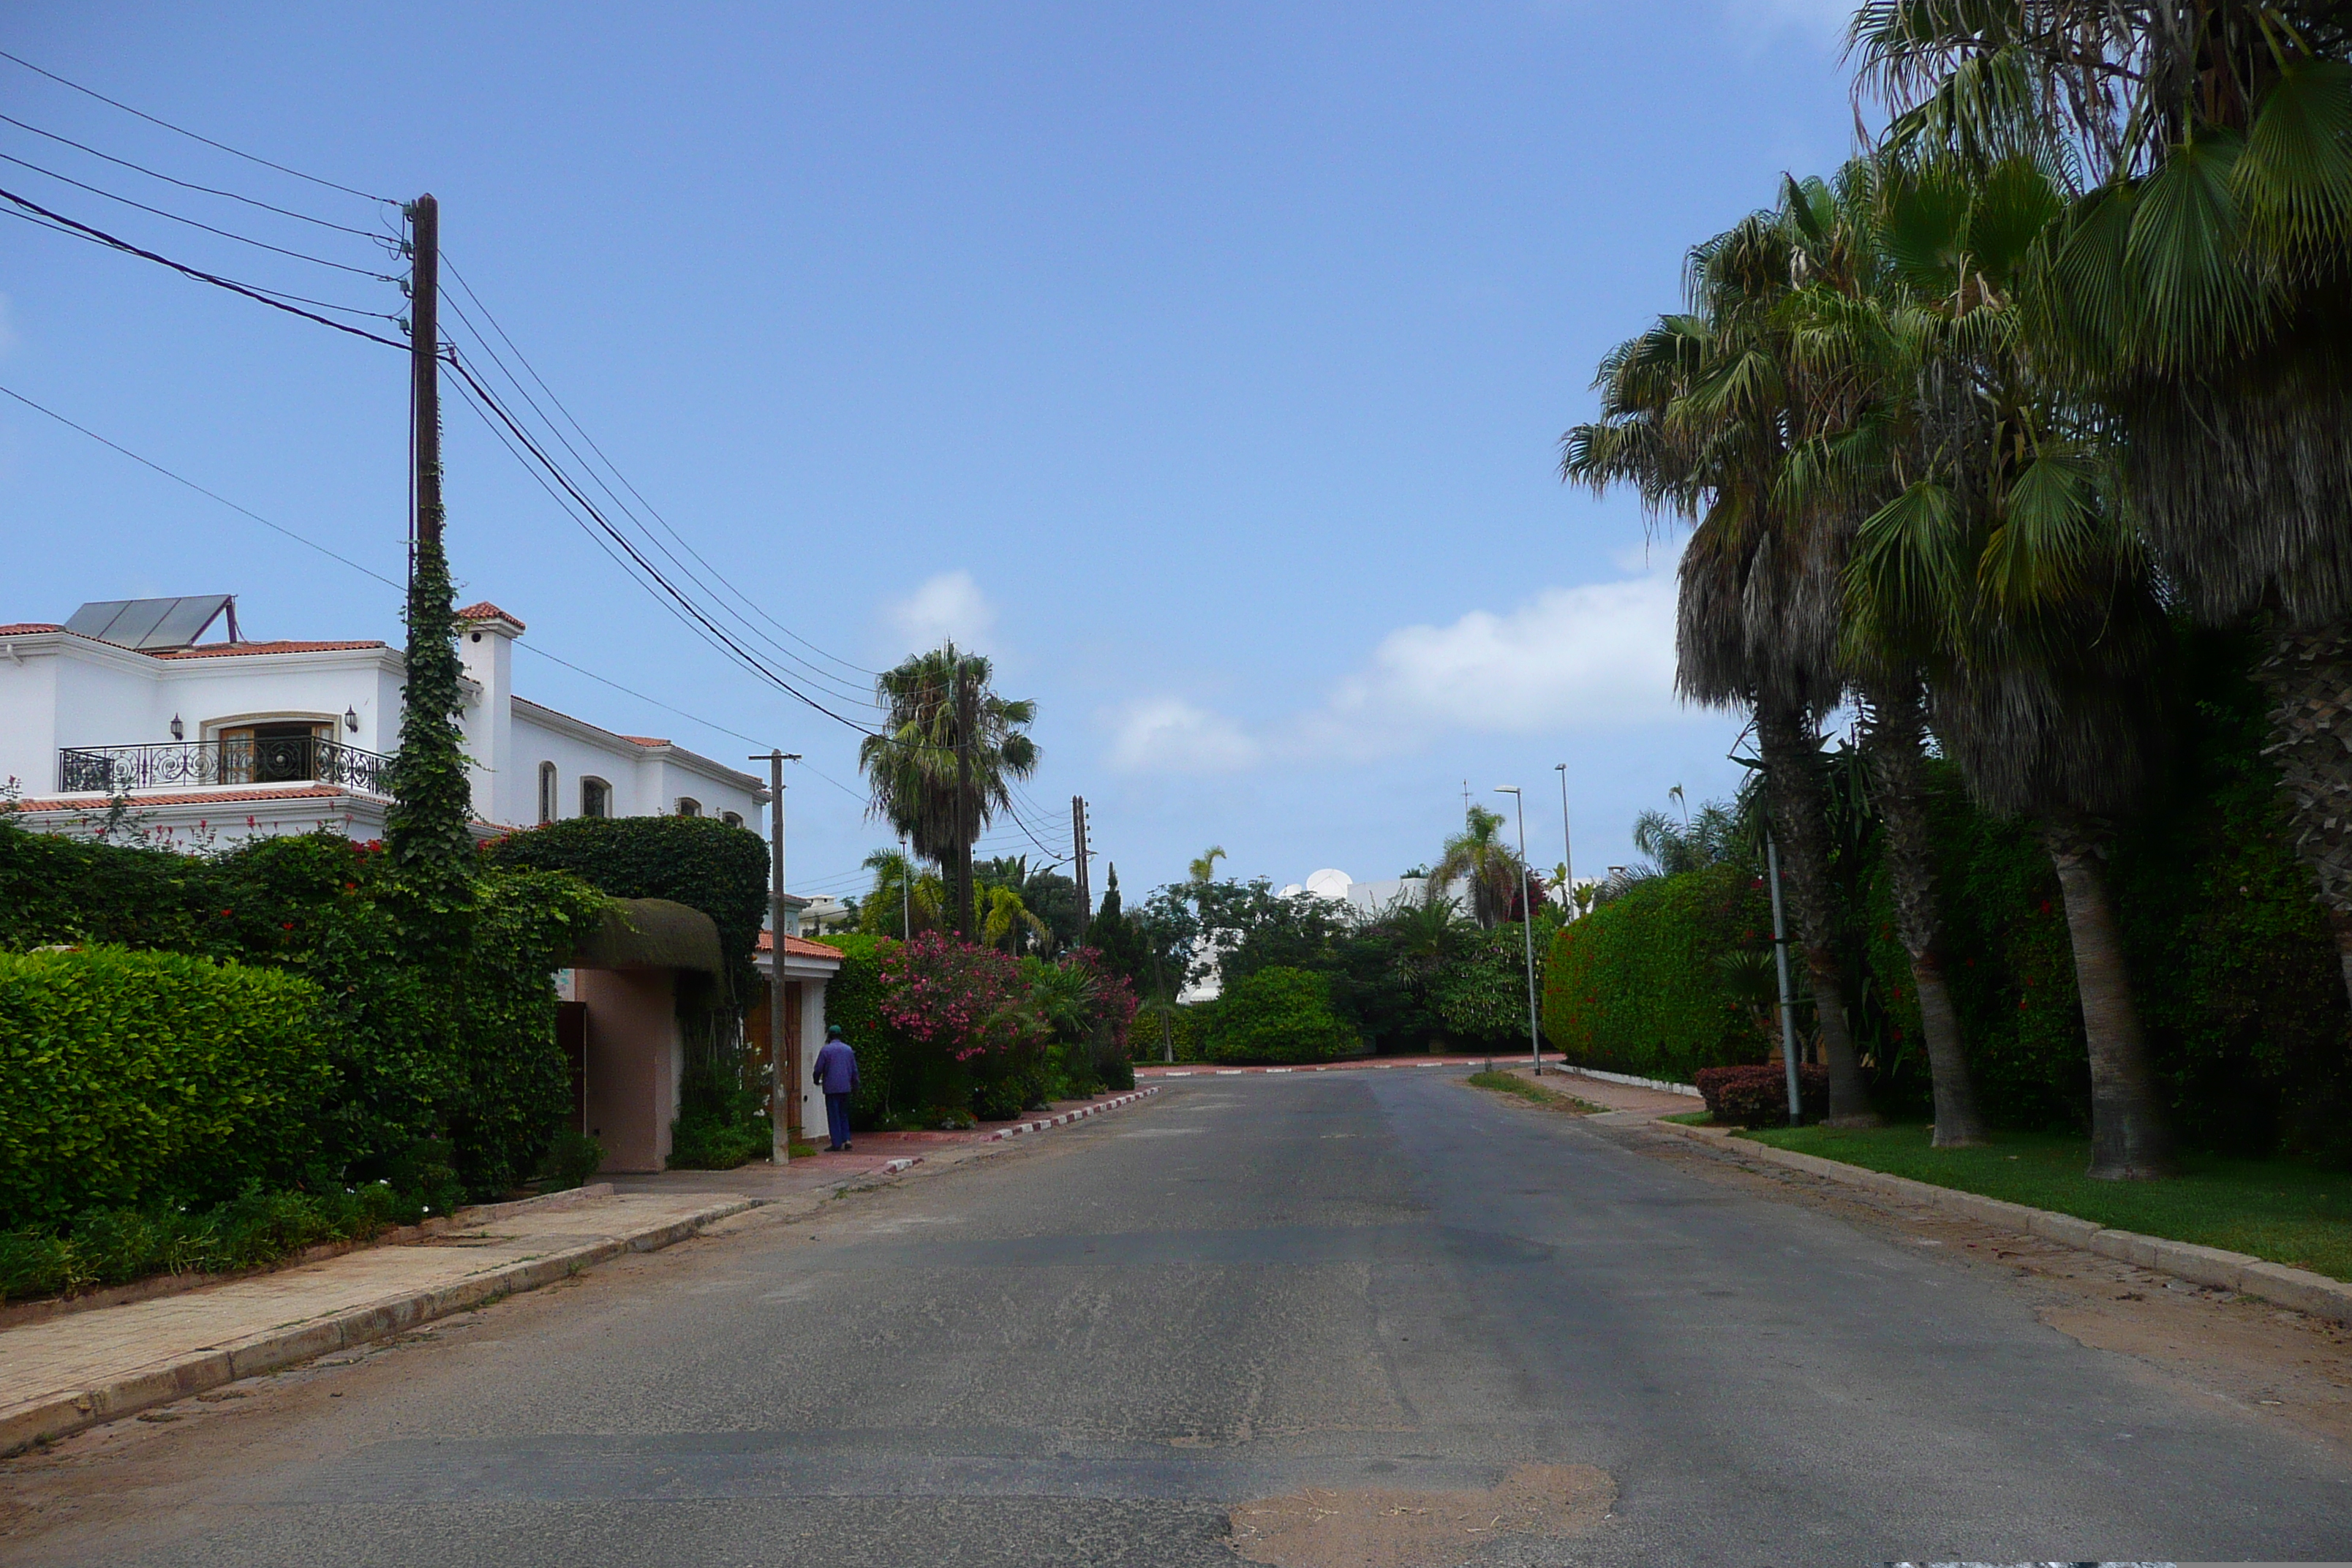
column 1330, row 883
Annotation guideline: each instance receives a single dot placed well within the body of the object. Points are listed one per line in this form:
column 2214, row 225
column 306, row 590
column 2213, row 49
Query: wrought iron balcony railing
column 296, row 759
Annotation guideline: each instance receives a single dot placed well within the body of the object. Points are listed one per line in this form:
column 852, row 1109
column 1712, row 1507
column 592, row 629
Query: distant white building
column 216, row 741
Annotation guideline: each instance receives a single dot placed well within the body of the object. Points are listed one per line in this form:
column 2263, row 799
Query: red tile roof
column 28, row 629
column 222, row 650
column 486, row 611
column 205, row 797
column 646, row 740
column 798, row 947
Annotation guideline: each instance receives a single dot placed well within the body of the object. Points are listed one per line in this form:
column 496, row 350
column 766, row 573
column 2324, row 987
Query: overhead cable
column 183, row 131
column 192, row 223
column 190, row 184
column 251, row 292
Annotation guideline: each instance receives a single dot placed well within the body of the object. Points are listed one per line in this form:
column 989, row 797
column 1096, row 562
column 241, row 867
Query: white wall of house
column 61, row 691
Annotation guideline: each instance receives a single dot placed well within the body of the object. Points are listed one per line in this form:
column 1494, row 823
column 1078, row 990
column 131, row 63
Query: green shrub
column 571, row 1160
column 1636, row 986
column 719, row 1127
column 136, row 1076
column 1482, row 994
column 1277, row 1014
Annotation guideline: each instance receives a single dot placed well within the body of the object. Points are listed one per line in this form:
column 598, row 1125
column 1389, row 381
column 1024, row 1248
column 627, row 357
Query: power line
column 751, row 661
column 614, row 468
column 192, row 223
column 192, row 135
column 852, row 696
column 190, row 184
column 101, row 236
column 364, row 570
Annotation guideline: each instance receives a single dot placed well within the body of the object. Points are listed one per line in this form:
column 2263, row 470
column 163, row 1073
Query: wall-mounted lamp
column 179, row 731
column 352, row 720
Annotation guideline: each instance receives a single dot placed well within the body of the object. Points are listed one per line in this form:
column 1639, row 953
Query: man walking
column 836, row 1074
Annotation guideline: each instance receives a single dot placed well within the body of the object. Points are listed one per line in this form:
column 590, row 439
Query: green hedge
column 137, row 1076
column 1639, row 984
column 1277, row 1014
column 1481, row 997
column 462, row 1051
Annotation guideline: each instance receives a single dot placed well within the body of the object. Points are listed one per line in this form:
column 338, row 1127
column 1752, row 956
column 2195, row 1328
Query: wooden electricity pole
column 783, row 1045
column 425, row 364
column 1078, row 855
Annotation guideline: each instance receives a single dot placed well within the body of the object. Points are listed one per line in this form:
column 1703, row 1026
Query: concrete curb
column 1662, row 1085
column 2248, row 1275
column 60, row 1414
column 1019, row 1128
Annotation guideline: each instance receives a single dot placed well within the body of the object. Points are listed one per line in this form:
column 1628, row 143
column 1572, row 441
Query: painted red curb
column 1018, row 1129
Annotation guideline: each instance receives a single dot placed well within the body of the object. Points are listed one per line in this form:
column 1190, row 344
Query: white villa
column 214, row 742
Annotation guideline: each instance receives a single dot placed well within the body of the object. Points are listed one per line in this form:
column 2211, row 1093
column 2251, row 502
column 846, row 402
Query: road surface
column 1309, row 1320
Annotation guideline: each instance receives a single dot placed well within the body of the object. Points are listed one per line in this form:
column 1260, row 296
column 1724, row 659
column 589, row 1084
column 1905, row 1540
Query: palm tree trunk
column 2131, row 1138
column 1894, row 743
column 1785, row 736
column 2309, row 678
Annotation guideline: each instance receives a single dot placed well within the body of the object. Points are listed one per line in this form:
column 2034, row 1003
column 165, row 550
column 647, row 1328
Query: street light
column 1528, row 926
column 1567, row 858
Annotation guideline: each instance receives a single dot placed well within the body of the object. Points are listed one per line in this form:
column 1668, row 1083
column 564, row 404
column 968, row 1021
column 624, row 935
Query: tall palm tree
column 1204, row 870
column 2201, row 292
column 942, row 766
column 2003, row 568
column 905, row 899
column 1700, row 415
column 1478, row 855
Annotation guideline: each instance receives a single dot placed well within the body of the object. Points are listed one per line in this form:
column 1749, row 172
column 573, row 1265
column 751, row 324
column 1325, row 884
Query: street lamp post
column 1567, row 856
column 1528, row 927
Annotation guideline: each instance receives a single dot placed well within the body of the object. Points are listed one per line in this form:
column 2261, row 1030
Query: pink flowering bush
column 966, row 1001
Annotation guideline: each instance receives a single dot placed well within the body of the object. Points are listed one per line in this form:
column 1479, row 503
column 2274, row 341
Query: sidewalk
column 78, row 1369
column 1625, row 1102
column 1148, row 1072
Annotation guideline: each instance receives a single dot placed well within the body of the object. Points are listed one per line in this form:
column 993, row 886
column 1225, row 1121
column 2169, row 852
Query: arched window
column 596, row 798
column 546, row 806
column 732, row 818
column 689, row 806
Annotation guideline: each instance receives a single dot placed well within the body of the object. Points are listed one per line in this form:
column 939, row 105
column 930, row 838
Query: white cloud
column 1600, row 654
column 1595, row 657
column 947, row 607
column 1168, row 734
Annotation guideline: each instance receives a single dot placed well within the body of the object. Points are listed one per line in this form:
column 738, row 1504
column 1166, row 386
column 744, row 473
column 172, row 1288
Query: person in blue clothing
column 836, row 1074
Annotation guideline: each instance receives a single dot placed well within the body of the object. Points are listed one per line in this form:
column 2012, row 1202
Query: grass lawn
column 2286, row 1214
column 1511, row 1083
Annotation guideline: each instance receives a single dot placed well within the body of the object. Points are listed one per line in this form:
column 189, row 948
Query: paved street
column 1310, row 1319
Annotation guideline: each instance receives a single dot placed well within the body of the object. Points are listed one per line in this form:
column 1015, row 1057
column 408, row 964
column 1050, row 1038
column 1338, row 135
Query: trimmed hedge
column 1637, row 986
column 1757, row 1095
column 1277, row 1014
column 133, row 1076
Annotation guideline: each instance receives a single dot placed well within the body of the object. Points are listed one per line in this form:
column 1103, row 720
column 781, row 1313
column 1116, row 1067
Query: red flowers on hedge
column 942, row 991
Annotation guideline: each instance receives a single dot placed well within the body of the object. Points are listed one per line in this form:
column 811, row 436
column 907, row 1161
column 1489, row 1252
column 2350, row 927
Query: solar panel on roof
column 149, row 625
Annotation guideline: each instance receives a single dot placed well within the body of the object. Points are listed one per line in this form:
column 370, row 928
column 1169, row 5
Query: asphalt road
column 1363, row 1290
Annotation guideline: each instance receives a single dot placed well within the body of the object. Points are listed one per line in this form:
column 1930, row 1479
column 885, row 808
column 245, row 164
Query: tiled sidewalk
column 74, row 1371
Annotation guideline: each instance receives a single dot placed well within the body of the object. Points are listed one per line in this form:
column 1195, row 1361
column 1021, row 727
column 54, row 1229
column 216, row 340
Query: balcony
column 244, row 759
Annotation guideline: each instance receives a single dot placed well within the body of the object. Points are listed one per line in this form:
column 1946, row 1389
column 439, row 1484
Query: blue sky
column 1203, row 364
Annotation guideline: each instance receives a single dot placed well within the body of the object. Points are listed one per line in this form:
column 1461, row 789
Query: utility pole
column 1528, row 930
column 1078, row 852
column 1780, row 959
column 906, row 892
column 425, row 367
column 1567, row 857
column 967, row 819
column 783, row 1047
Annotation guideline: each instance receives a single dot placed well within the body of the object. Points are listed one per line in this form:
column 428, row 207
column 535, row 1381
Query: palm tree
column 942, row 765
column 1478, row 855
column 905, row 897
column 1204, row 870
column 1007, row 922
column 2002, row 570
column 1700, row 414
column 2197, row 293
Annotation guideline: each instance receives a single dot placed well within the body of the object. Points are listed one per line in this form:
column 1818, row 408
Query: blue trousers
column 836, row 1117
